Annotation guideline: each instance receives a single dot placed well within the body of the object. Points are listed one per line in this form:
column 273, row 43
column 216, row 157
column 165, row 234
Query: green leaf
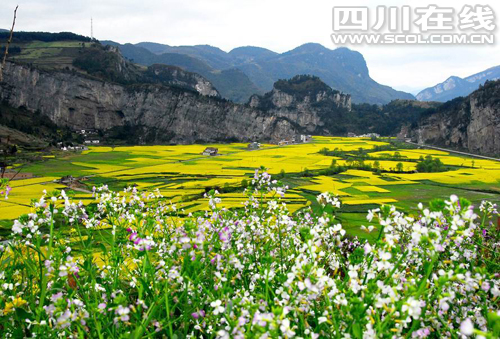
column 356, row 330
column 22, row 314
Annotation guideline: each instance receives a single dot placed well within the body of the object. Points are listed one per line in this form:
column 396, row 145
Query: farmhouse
column 212, row 151
column 305, row 138
column 253, row 145
column 75, row 148
column 370, row 135
column 67, row 180
column 87, row 132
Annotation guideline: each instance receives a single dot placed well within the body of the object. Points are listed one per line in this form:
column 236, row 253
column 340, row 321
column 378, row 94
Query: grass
column 49, row 55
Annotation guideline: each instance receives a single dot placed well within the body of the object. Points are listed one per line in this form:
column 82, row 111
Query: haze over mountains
column 253, row 70
column 456, row 87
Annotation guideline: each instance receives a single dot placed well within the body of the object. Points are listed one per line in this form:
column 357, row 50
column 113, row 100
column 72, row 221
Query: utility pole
column 91, row 29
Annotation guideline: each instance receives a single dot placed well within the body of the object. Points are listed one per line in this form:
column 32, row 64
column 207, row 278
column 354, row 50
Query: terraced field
column 182, row 174
column 52, row 55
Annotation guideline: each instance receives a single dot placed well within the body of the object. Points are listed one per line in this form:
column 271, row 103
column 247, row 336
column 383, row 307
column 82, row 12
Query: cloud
column 279, row 25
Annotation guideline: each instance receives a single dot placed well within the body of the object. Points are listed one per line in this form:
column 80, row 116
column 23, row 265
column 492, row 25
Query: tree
column 430, row 164
column 244, row 183
column 399, row 167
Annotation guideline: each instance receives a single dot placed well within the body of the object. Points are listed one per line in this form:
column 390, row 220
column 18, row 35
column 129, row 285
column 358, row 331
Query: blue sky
column 278, row 25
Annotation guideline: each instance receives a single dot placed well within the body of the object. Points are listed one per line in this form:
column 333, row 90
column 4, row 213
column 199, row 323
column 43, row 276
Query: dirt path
column 453, row 151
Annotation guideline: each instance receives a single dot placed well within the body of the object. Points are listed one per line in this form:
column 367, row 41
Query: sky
column 279, row 25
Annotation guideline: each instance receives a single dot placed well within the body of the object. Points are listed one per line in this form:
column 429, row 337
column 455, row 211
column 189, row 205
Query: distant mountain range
column 253, row 70
column 458, row 87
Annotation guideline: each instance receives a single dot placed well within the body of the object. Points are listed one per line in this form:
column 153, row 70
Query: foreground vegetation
column 126, row 266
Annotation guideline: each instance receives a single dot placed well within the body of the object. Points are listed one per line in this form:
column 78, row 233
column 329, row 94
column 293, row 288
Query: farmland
column 182, row 175
column 48, row 55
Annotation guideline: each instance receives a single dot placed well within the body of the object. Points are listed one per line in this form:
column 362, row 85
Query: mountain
column 31, row 130
column 4, row 30
column 213, row 56
column 95, row 60
column 151, row 113
column 471, row 123
column 231, row 83
column 242, row 55
column 342, row 69
column 85, row 85
column 457, row 87
column 96, row 88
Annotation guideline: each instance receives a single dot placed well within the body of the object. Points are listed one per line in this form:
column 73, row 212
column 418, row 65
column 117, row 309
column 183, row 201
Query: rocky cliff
column 106, row 62
column 307, row 101
column 156, row 113
column 471, row 123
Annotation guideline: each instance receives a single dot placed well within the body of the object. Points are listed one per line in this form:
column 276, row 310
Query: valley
column 363, row 174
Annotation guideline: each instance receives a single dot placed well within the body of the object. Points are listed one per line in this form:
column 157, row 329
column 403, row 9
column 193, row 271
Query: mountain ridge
column 341, row 68
column 231, row 83
column 455, row 86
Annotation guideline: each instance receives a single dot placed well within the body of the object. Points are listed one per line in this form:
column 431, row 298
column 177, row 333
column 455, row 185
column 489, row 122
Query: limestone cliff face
column 484, row 129
column 106, row 63
column 471, row 123
column 306, row 101
column 176, row 76
column 156, row 112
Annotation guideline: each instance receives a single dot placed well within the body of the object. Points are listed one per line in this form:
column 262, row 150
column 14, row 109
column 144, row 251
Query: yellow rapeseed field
column 182, row 174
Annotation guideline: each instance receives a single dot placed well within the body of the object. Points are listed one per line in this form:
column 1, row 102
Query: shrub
column 430, row 165
column 399, row 167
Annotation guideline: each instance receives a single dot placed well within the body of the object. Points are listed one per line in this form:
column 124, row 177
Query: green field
column 49, row 55
column 183, row 175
